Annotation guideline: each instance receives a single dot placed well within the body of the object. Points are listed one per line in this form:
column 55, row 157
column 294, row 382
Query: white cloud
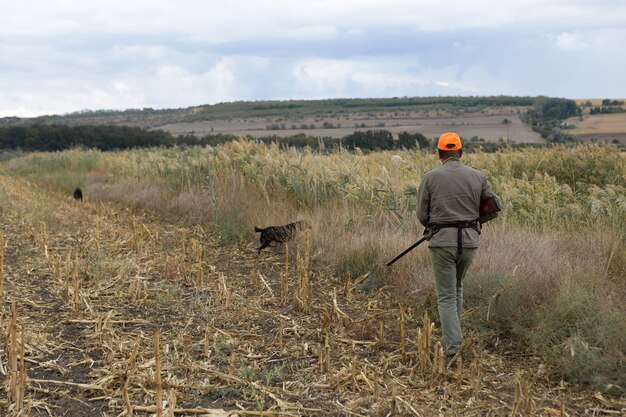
column 139, row 51
column 39, row 101
column 21, row 112
column 230, row 78
column 570, row 42
column 601, row 39
column 121, row 87
column 173, row 71
column 389, row 76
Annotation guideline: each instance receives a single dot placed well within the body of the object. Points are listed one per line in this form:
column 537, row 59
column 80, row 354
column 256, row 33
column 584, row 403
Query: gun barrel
column 407, row 250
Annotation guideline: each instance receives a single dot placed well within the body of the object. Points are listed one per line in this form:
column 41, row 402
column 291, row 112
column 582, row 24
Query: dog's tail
column 258, row 229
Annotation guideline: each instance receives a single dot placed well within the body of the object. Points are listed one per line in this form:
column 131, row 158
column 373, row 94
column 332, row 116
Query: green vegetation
column 607, row 110
column 546, row 116
column 609, row 102
column 370, row 140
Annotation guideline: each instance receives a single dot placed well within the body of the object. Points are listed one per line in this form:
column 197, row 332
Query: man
column 449, row 199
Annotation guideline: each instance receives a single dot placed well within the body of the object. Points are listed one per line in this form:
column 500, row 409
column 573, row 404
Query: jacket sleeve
column 423, row 202
column 486, row 189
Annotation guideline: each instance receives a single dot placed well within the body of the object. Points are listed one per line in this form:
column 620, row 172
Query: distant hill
column 492, row 118
column 150, row 118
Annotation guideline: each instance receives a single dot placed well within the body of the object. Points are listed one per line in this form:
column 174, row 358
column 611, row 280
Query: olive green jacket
column 448, row 194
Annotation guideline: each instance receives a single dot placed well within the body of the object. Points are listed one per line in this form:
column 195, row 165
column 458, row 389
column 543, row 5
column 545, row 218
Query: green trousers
column 450, row 269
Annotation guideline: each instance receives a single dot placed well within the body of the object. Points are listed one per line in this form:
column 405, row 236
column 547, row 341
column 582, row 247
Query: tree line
column 50, row 138
column 366, row 141
column 60, row 137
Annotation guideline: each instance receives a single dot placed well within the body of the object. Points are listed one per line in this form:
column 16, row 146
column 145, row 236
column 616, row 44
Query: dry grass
column 226, row 312
column 597, row 124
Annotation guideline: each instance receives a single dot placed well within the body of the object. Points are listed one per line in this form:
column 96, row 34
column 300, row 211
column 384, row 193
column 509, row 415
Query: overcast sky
column 64, row 56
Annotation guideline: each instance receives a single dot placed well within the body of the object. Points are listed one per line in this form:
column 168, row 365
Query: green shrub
column 581, row 341
column 361, row 261
column 229, row 228
column 585, row 343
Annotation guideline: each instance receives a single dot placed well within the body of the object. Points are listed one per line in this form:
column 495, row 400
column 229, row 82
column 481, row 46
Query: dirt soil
column 96, row 299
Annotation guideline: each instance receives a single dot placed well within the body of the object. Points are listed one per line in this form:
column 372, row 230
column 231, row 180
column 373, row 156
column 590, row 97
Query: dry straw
column 22, row 380
column 16, row 362
column 402, row 334
column 75, row 285
column 476, row 373
column 68, row 271
column 13, row 355
column 522, row 403
column 284, row 282
column 2, row 243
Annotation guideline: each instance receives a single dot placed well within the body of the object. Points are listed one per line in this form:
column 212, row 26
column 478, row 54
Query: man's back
column 449, row 194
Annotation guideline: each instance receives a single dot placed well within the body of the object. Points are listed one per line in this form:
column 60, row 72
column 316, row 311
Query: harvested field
column 600, row 126
column 114, row 313
column 487, row 125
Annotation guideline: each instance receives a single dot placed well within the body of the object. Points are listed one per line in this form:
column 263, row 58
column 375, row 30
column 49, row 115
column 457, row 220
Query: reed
column 157, row 361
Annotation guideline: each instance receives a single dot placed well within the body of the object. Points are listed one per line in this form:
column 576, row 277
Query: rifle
column 427, row 235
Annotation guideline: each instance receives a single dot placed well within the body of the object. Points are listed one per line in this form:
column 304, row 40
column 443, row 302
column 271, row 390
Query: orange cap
column 449, row 141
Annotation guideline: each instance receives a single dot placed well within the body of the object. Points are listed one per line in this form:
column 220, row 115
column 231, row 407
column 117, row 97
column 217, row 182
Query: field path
column 90, row 283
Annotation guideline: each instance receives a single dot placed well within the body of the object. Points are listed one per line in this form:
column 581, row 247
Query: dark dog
column 279, row 234
column 78, row 194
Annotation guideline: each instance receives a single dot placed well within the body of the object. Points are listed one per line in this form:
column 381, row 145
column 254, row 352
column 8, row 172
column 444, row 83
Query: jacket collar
column 450, row 160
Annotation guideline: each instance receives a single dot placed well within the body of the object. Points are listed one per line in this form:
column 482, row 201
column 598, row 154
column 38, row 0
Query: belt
column 470, row 224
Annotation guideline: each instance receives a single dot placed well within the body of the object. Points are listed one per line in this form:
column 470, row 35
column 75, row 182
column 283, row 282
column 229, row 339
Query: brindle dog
column 279, row 234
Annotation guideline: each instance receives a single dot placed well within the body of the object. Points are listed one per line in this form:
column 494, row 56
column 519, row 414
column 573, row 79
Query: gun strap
column 474, row 224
